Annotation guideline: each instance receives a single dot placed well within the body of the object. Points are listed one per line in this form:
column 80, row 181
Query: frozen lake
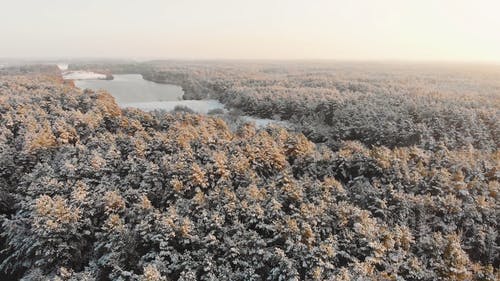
column 131, row 90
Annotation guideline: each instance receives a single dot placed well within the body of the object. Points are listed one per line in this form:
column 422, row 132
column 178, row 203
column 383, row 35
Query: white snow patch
column 82, row 75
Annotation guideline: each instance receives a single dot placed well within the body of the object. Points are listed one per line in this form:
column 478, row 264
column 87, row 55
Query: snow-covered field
column 262, row 122
column 199, row 106
column 82, row 75
column 202, row 107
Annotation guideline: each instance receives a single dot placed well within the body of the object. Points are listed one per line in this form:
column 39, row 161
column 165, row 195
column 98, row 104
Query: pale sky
column 422, row 30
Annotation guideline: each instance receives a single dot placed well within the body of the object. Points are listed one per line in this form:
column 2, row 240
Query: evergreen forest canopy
column 387, row 173
column 377, row 104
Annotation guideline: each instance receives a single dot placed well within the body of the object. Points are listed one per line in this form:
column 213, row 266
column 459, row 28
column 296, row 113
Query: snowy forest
column 386, row 172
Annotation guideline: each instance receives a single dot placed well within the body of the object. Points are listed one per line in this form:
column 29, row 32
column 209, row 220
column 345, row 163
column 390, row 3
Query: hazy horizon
column 375, row 31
